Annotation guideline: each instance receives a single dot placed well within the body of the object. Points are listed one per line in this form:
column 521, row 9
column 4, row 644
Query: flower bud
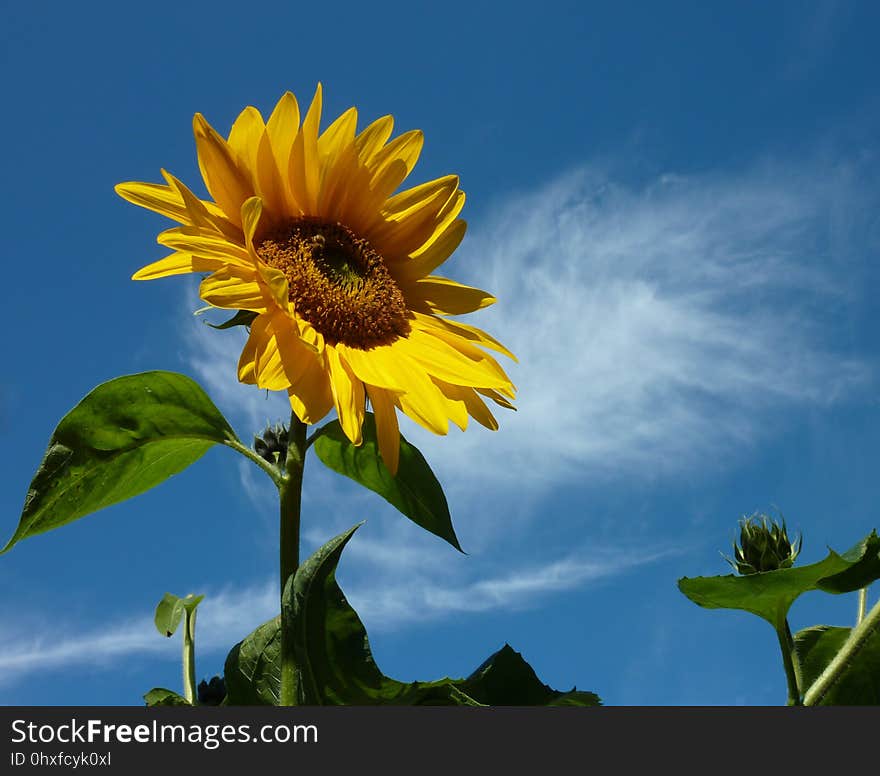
column 271, row 445
column 212, row 693
column 763, row 546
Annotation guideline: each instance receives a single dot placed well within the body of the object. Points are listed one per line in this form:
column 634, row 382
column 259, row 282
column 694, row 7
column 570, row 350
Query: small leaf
column 770, row 594
column 506, row 679
column 159, row 696
column 865, row 568
column 253, row 668
column 170, row 609
column 414, row 491
column 859, row 685
column 241, row 318
column 126, row 436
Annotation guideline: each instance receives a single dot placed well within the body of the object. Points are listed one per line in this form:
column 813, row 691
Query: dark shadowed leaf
column 506, row 679
column 415, row 490
column 126, row 436
column 859, row 685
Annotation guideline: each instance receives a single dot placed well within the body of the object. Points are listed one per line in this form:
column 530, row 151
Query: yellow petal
column 153, row 196
column 456, row 409
column 475, row 406
column 338, row 156
column 310, row 397
column 205, row 244
column 282, row 129
column 371, row 140
column 226, row 183
column 435, row 294
column 304, row 162
column 412, row 217
column 461, row 364
column 205, row 215
column 387, row 430
column 251, row 210
column 177, row 263
column 233, row 288
column 348, row 396
column 439, row 247
column 274, row 357
column 433, row 323
column 496, row 397
column 244, row 142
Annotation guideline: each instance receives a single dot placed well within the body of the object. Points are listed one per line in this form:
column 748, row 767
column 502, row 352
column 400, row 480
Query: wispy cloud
column 660, row 327
column 225, row 616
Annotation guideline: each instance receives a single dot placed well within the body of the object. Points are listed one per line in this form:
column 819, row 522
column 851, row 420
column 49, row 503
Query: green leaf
column 865, row 568
column 506, row 679
column 253, row 668
column 170, row 609
column 334, row 660
column 770, row 594
column 241, row 318
column 126, row 436
column 159, row 696
column 859, row 685
column 414, row 491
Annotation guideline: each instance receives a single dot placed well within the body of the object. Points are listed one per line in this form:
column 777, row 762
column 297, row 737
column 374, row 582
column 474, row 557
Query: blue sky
column 677, row 210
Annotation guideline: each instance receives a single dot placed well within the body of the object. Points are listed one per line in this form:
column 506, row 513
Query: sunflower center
column 337, row 282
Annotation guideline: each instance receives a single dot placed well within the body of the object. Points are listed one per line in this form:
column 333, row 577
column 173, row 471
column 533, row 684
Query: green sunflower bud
column 271, row 445
column 763, row 546
column 212, row 693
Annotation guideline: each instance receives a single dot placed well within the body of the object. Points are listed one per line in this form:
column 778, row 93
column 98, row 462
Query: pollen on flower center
column 337, row 282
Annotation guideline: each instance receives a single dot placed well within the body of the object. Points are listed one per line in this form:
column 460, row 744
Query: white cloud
column 224, row 617
column 658, row 328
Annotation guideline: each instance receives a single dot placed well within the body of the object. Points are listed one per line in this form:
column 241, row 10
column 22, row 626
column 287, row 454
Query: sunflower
column 304, row 230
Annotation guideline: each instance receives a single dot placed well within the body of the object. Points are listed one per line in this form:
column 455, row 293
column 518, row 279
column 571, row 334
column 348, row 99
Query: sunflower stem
column 790, row 662
column 857, row 639
column 189, row 657
column 290, row 491
column 863, row 605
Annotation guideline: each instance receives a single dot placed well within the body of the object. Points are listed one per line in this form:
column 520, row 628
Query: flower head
column 763, row 546
column 305, row 230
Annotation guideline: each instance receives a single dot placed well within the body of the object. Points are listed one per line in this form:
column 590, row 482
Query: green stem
column 858, row 637
column 291, row 501
column 863, row 605
column 189, row 657
column 790, row 663
column 267, row 467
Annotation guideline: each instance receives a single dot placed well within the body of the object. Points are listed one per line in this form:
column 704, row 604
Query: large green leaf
column 126, row 436
column 414, row 490
column 859, row 685
column 336, row 665
column 170, row 609
column 770, row 594
column 253, row 668
column 506, row 679
column 334, row 659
